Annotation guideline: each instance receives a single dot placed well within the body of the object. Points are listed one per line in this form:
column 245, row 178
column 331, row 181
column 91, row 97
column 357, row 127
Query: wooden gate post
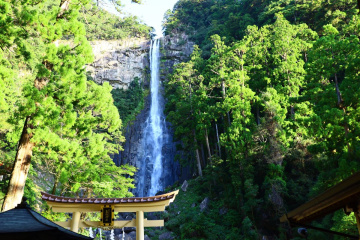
column 75, row 222
column 139, row 225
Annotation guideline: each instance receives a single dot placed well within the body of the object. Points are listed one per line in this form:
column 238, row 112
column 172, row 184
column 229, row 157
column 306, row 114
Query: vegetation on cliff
column 102, row 25
column 267, row 107
column 129, row 102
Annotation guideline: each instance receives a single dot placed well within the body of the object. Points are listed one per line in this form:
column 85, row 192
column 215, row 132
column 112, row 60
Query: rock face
column 204, row 205
column 175, row 49
column 184, row 186
column 120, row 61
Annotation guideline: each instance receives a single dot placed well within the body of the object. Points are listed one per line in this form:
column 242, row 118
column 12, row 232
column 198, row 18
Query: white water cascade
column 157, row 124
column 151, row 174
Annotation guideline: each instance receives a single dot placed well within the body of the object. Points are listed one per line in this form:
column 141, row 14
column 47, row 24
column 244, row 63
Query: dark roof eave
column 334, row 198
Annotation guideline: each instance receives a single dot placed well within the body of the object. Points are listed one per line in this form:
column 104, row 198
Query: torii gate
column 108, row 206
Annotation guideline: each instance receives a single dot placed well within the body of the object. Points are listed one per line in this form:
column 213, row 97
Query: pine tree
column 63, row 112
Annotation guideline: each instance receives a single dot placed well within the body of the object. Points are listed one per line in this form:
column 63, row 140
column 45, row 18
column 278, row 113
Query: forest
column 268, row 110
column 265, row 111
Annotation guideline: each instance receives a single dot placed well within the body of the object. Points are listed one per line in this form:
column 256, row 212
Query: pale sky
column 150, row 11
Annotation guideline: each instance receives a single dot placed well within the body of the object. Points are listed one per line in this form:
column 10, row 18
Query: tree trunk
column 215, row 151
column 338, row 93
column 203, row 159
column 224, row 96
column 198, row 162
column 20, row 170
column 64, row 6
column 197, row 155
column 257, row 114
column 218, row 141
column 22, row 162
column 56, row 182
column 208, row 146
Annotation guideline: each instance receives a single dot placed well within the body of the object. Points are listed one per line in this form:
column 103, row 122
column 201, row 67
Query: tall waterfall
column 153, row 172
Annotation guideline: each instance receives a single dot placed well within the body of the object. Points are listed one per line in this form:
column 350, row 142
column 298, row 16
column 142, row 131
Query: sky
column 150, row 11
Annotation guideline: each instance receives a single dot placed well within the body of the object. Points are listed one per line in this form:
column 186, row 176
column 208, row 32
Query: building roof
column 53, row 198
column 345, row 194
column 24, row 223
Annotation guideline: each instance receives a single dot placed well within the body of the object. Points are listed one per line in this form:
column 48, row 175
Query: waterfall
column 153, row 170
column 157, row 126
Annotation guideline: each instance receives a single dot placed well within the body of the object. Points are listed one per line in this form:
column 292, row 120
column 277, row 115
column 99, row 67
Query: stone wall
column 120, row 61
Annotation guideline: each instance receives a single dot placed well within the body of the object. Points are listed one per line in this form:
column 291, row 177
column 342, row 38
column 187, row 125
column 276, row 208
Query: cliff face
column 175, row 49
column 120, row 61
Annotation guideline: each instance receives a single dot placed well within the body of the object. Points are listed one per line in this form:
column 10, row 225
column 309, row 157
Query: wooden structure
column 107, row 206
column 345, row 195
column 22, row 223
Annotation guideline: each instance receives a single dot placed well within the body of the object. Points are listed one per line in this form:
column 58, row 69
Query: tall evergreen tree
column 333, row 93
column 62, row 111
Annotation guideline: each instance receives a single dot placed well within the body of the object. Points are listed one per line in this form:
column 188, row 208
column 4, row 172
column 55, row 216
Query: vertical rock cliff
column 120, row 61
column 175, row 49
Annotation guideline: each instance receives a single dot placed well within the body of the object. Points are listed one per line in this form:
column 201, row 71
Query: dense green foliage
column 73, row 122
column 129, row 102
column 273, row 107
column 101, row 25
column 229, row 18
column 185, row 219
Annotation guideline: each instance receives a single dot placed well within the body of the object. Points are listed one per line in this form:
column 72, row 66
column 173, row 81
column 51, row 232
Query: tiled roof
column 22, row 221
column 53, row 198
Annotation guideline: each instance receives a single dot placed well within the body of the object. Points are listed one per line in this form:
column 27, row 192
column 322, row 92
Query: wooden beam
column 116, row 209
column 117, row 224
column 128, row 207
